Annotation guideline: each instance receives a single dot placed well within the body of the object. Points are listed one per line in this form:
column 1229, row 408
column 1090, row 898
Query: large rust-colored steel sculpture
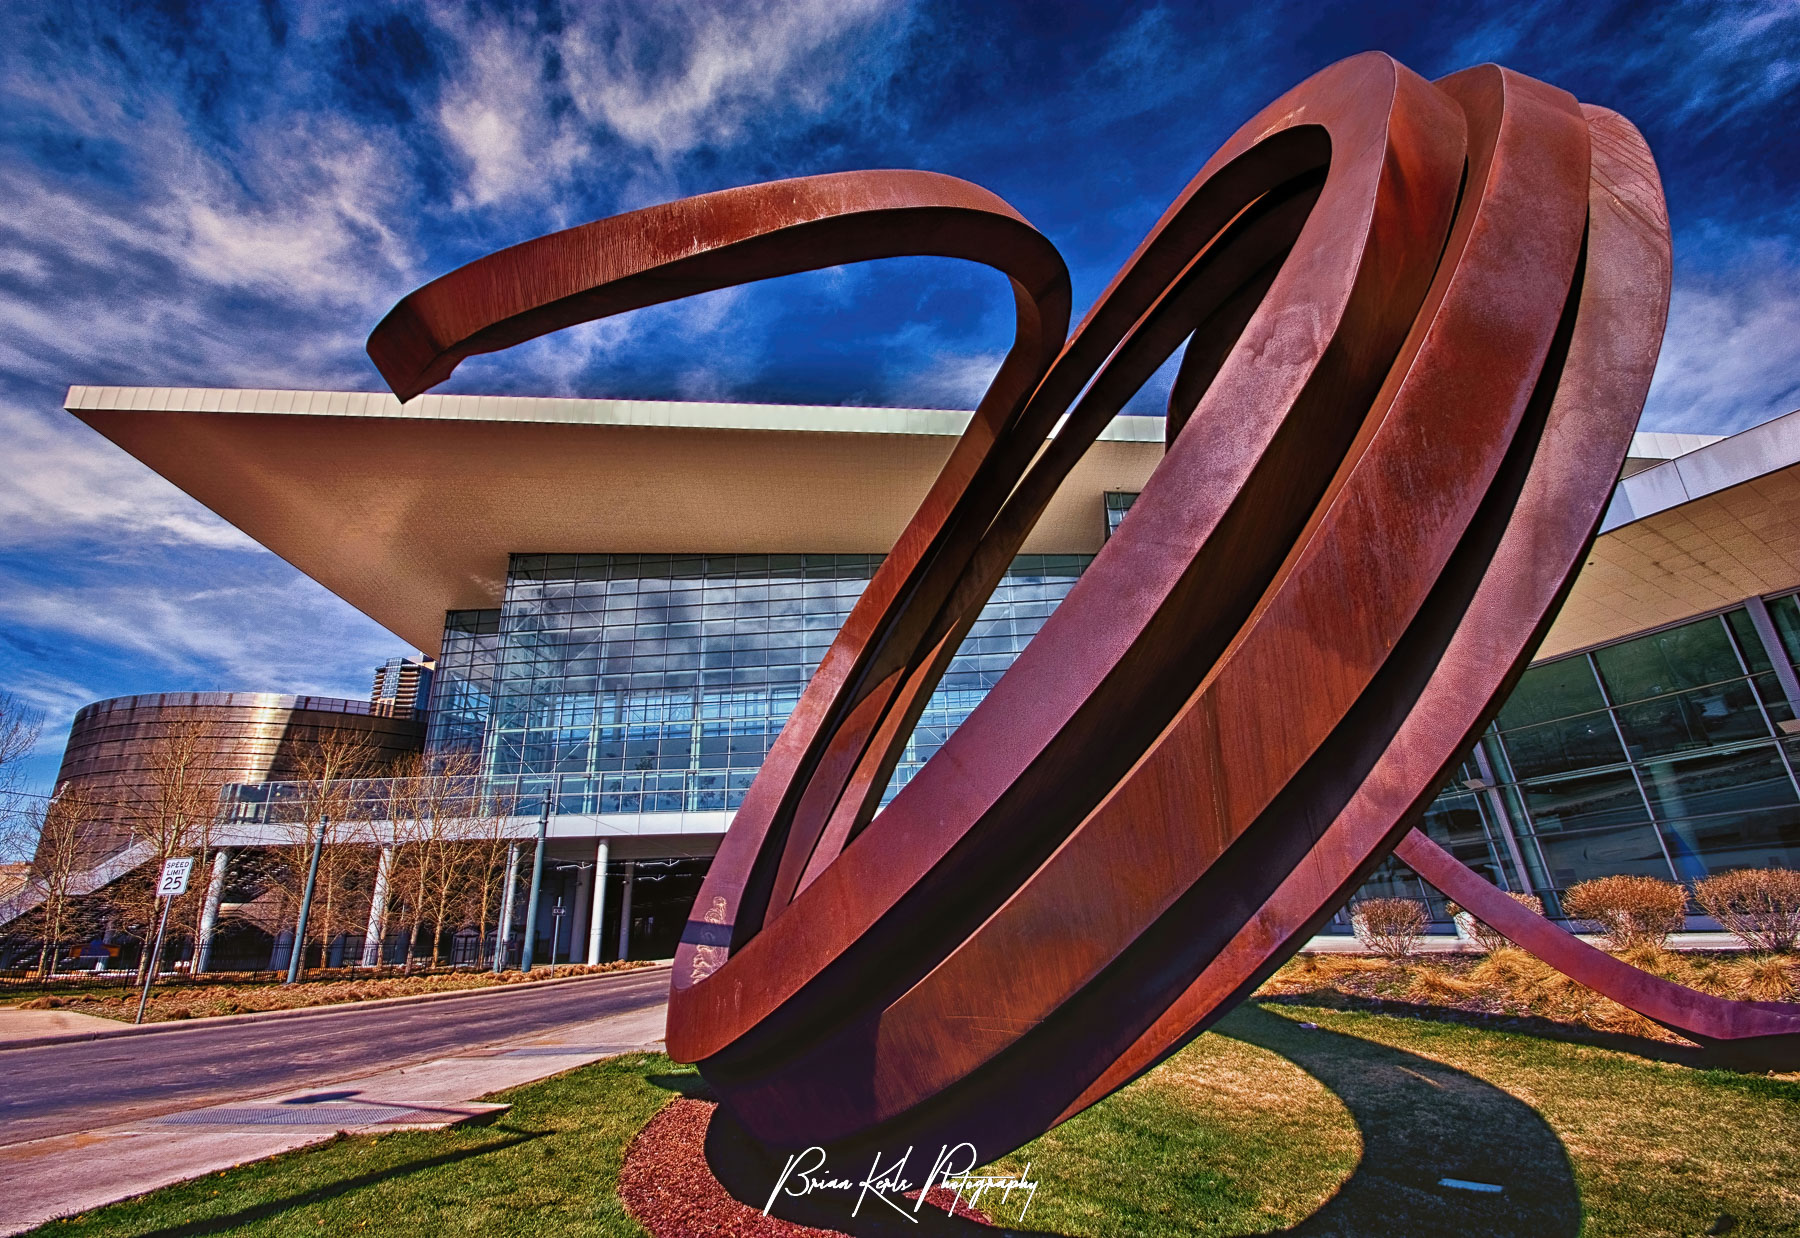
column 1419, row 322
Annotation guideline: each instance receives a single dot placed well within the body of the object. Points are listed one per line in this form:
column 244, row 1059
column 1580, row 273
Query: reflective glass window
column 601, row 664
column 1760, row 838
column 1749, row 644
column 1724, row 713
column 1582, row 854
column 1553, row 690
column 1785, row 611
column 1117, row 502
column 1668, row 661
column 1586, row 801
column 1562, row 746
column 1457, row 822
column 1718, row 782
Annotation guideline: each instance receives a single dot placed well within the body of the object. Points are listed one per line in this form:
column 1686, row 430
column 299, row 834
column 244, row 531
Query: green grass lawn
column 1263, row 1126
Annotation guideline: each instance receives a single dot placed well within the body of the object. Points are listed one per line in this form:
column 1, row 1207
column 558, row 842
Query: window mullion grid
column 1750, row 682
column 1637, row 778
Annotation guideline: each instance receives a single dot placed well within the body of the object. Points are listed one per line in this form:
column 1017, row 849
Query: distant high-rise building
column 402, row 686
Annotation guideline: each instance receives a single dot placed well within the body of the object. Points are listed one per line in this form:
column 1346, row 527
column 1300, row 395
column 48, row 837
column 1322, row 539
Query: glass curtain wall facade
column 1670, row 754
column 628, row 684
column 656, row 683
column 1117, row 503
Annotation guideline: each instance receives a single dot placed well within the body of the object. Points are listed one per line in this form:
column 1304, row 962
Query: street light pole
column 537, row 876
column 312, row 877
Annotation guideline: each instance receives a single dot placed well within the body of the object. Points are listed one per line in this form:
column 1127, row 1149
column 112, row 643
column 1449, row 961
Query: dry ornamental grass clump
column 1629, row 911
column 1485, row 935
column 1391, row 927
column 199, row 999
column 1760, row 905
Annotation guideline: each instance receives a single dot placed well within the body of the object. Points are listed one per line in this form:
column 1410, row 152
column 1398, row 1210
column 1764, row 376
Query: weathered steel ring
column 1419, row 323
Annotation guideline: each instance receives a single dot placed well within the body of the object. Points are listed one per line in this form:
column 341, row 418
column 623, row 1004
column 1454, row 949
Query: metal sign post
column 556, row 918
column 170, row 886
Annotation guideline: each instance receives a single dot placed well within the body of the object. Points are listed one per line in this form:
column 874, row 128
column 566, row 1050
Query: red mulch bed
column 666, row 1184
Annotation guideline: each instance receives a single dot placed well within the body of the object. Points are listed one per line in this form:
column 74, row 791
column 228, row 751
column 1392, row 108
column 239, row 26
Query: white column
column 504, row 937
column 625, row 913
column 579, row 910
column 371, row 955
column 209, row 913
column 597, row 916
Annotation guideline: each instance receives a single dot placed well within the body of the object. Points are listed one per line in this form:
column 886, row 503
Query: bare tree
column 19, row 729
column 64, row 830
column 453, row 803
column 491, row 833
column 431, row 852
column 445, row 836
column 175, row 818
column 410, row 872
column 332, row 792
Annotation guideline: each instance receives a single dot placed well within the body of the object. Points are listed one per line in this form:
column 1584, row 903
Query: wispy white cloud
column 499, row 114
column 264, row 630
column 1705, row 62
column 1731, row 355
column 62, row 481
column 599, row 93
column 949, row 378
column 713, row 67
column 54, row 697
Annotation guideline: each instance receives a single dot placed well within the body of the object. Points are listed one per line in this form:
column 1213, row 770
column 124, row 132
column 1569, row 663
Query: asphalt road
column 88, row 1084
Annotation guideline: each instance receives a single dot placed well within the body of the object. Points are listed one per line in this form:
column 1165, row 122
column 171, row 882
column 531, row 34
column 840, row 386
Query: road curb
column 256, row 1016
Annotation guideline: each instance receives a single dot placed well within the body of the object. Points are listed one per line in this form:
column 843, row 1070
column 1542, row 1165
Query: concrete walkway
column 68, row 1173
column 22, row 1025
column 1344, row 943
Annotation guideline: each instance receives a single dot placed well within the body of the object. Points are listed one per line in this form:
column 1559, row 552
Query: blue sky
column 233, row 194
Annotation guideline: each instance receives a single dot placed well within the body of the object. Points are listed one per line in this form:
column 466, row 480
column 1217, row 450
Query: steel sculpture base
column 1417, row 322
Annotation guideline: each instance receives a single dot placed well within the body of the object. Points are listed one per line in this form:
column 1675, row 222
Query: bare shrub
column 1628, row 910
column 1391, row 927
column 1760, row 905
column 1485, row 935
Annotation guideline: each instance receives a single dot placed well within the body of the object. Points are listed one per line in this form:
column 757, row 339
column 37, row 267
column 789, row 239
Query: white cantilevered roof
column 1703, row 530
column 409, row 511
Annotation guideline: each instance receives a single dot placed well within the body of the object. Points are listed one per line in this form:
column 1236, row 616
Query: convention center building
column 623, row 600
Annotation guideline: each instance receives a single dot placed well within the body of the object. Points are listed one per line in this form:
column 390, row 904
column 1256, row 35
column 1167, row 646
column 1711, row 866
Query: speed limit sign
column 174, row 881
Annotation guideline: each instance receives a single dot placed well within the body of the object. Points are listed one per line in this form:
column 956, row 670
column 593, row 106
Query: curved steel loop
column 1765, row 1035
column 1568, row 469
column 720, row 240
column 957, row 839
column 1290, row 679
column 1419, row 323
column 735, row 236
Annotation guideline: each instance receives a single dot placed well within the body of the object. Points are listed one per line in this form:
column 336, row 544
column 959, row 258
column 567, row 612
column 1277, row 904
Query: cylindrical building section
column 115, row 745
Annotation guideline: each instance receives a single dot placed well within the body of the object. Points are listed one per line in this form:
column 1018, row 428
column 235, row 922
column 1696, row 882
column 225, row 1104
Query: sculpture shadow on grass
column 277, row 1210
column 1420, row 1121
column 1536, row 1026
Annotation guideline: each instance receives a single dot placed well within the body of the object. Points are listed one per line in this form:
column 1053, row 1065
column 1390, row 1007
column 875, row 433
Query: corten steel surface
column 1419, row 323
